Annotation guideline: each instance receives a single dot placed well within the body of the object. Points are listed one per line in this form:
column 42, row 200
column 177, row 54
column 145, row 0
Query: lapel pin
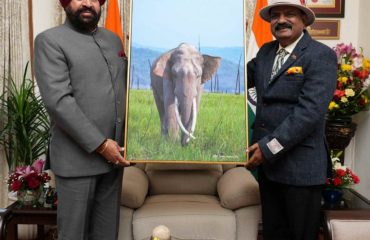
column 294, row 56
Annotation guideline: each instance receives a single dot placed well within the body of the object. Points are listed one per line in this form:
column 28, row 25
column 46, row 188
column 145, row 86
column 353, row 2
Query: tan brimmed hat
column 300, row 4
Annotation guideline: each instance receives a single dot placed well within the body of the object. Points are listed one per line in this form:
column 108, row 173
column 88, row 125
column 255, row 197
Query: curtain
column 14, row 54
column 249, row 15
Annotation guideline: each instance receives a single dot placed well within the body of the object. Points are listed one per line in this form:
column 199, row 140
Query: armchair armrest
column 135, row 186
column 238, row 188
column 347, row 224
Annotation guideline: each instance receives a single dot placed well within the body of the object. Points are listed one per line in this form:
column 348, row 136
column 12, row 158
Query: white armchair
column 194, row 201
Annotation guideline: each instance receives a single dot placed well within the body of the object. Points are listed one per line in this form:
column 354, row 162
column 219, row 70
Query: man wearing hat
column 81, row 72
column 295, row 78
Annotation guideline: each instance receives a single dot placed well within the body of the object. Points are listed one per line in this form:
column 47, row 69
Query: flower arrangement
column 351, row 95
column 342, row 176
column 28, row 177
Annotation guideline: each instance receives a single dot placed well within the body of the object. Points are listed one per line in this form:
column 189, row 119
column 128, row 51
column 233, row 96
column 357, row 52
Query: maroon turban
column 66, row 2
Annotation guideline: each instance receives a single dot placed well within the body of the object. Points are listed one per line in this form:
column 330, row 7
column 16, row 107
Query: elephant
column 177, row 79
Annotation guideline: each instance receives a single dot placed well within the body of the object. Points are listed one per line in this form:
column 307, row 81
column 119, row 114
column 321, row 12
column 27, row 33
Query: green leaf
column 24, row 123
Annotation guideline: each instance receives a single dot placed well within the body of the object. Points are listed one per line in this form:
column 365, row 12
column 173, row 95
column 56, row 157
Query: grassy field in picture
column 220, row 130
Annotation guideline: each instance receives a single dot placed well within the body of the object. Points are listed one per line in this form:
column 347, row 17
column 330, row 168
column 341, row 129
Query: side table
column 353, row 213
column 4, row 213
column 15, row 214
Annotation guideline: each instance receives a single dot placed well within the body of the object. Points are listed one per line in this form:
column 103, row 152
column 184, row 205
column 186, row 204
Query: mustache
column 86, row 9
column 282, row 26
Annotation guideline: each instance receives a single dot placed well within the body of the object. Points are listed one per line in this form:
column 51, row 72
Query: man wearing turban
column 81, row 73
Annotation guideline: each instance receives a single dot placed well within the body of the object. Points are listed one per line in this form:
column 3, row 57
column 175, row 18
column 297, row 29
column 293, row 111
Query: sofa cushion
column 238, row 188
column 183, row 182
column 182, row 166
column 187, row 217
column 134, row 187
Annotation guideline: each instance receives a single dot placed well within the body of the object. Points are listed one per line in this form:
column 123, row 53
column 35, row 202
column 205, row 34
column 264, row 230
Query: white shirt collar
column 291, row 47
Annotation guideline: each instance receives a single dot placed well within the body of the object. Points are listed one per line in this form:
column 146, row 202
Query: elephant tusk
column 180, row 122
column 194, row 115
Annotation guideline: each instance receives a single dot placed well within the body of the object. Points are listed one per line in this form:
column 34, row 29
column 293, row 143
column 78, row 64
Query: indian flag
column 260, row 34
column 113, row 19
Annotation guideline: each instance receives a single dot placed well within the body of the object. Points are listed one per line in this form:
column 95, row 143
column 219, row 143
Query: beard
column 85, row 24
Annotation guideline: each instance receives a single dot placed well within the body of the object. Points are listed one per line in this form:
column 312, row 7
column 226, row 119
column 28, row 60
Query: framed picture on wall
column 327, row 8
column 186, row 99
column 325, row 29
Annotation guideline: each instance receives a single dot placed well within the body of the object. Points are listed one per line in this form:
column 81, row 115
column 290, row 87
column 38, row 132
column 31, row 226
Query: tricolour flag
column 260, row 34
column 113, row 19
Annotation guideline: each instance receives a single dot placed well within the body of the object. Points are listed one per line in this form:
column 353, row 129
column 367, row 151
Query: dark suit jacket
column 291, row 109
column 82, row 80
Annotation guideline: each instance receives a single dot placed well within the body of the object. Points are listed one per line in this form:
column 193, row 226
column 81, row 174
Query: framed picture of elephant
column 186, row 98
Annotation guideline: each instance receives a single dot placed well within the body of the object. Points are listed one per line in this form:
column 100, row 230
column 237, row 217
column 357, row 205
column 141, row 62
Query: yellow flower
column 333, row 105
column 349, row 92
column 366, row 63
column 365, row 98
column 343, row 79
column 343, row 99
column 346, row 67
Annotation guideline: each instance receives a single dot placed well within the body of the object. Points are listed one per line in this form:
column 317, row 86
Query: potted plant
column 24, row 123
column 342, row 177
column 350, row 97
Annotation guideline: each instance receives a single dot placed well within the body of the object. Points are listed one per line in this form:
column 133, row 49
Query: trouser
column 88, row 207
column 289, row 212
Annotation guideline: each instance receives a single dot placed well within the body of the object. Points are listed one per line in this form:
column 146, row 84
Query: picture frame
column 325, row 29
column 177, row 50
column 327, row 8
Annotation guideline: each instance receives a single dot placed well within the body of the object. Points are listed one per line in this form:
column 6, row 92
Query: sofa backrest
column 183, row 178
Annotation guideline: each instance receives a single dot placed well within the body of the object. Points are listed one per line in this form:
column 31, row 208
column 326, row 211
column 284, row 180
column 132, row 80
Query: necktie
column 279, row 61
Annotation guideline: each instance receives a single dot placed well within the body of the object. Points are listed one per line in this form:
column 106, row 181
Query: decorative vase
column 28, row 197
column 332, row 196
column 339, row 132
